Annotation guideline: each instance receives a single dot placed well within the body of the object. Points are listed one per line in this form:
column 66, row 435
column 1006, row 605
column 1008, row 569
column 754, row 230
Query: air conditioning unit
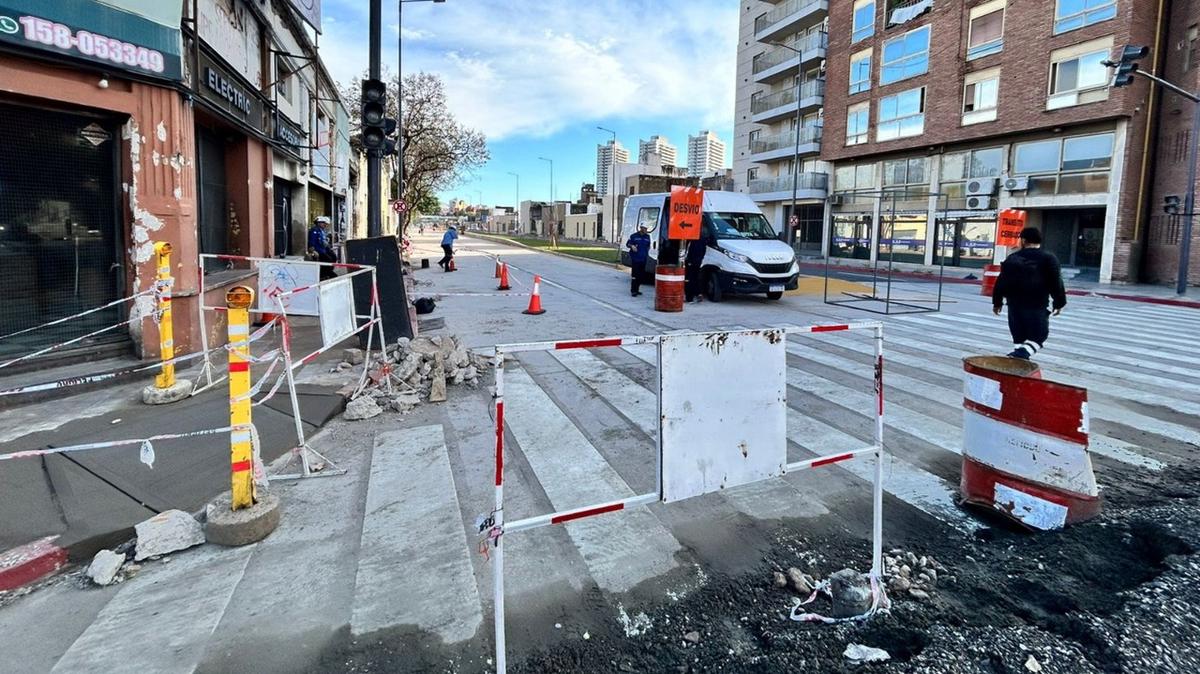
column 836, row 199
column 979, row 203
column 981, row 187
column 1019, row 184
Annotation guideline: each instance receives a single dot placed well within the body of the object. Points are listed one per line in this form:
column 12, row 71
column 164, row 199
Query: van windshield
column 740, row 226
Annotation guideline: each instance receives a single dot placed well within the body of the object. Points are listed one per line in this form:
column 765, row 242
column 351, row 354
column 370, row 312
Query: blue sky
column 538, row 76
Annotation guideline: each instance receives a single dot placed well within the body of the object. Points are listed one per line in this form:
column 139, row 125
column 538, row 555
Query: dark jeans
column 693, row 278
column 449, row 250
column 1029, row 324
column 326, row 271
column 637, row 273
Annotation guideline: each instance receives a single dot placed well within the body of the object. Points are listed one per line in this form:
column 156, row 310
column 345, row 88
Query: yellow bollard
column 166, row 334
column 238, row 300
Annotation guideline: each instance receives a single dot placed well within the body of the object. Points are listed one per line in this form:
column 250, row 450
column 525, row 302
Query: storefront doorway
column 213, row 201
column 1075, row 236
column 60, row 233
column 283, row 218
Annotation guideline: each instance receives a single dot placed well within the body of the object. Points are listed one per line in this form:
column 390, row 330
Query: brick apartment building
column 958, row 109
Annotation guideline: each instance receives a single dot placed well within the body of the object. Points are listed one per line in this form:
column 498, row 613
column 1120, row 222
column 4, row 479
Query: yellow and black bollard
column 238, row 300
column 166, row 388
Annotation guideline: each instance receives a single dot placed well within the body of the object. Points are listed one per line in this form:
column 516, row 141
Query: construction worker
column 447, row 261
column 639, row 252
column 1029, row 279
column 319, row 246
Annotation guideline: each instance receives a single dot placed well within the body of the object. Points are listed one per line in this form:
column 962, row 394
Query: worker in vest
column 1031, row 280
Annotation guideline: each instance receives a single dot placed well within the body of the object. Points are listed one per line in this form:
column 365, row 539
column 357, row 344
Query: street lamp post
column 611, row 184
column 517, row 208
column 791, row 236
column 551, row 190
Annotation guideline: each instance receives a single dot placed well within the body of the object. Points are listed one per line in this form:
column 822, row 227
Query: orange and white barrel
column 1025, row 444
column 668, row 288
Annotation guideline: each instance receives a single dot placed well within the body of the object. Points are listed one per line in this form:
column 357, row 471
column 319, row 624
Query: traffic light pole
column 374, row 173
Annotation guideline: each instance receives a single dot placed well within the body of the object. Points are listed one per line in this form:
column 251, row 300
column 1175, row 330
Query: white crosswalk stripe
column 620, row 552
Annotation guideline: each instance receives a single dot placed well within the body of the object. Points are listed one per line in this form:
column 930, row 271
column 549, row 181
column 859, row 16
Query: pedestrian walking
column 319, row 247
column 693, row 269
column 639, row 252
column 1030, row 279
column 448, row 248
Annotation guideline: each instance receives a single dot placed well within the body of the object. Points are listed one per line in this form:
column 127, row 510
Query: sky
column 538, row 76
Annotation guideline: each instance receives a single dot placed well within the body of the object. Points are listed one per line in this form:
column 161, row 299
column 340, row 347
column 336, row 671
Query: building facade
column 706, row 154
column 608, row 154
column 659, row 145
column 151, row 122
column 778, row 114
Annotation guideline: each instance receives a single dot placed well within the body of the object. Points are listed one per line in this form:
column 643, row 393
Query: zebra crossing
column 1140, row 378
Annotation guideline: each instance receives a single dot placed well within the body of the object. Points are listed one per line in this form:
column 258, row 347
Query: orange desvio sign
column 1009, row 225
column 687, row 207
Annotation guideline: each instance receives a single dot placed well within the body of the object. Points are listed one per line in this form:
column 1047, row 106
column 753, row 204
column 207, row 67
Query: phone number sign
column 94, row 32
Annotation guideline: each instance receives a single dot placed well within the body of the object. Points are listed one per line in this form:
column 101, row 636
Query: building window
column 1072, row 14
column 905, row 56
column 986, row 30
column 751, row 175
column 1078, row 74
column 850, row 235
column 854, row 178
column 860, row 72
column 858, row 121
column 1189, row 47
column 283, row 75
column 908, row 175
column 1076, row 165
column 959, row 167
column 980, row 96
column 901, row 115
column 864, row 20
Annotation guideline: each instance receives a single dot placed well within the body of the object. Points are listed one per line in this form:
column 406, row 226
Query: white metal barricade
column 295, row 288
column 672, row 485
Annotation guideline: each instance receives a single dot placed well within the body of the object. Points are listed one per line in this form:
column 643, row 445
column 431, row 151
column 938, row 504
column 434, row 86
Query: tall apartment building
column 706, row 154
column 605, row 161
column 778, row 113
column 956, row 110
column 661, row 146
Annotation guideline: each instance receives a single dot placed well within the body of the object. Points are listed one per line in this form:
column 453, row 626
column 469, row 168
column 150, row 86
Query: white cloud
column 530, row 68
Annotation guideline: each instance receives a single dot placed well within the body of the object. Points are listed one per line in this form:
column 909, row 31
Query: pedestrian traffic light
column 374, row 115
column 1171, row 204
column 1127, row 66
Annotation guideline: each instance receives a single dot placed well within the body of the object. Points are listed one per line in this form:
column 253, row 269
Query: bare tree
column 438, row 151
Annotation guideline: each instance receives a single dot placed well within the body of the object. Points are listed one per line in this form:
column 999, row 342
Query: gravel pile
column 421, row 369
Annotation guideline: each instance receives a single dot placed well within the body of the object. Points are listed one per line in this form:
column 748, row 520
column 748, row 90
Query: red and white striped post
column 498, row 518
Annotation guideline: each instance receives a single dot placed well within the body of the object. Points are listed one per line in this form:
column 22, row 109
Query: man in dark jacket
column 319, row 246
column 639, row 251
column 693, row 268
column 1029, row 278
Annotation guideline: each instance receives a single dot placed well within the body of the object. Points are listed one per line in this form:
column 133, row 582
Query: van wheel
column 714, row 287
column 774, row 296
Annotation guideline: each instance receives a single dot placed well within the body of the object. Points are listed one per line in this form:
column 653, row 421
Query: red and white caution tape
column 82, row 313
column 879, row 603
column 147, row 448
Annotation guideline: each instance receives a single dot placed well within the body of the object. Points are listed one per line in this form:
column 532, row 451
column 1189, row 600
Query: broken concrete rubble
column 167, row 532
column 104, row 567
column 851, row 593
column 362, row 407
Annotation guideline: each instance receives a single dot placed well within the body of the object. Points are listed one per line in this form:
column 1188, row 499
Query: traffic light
column 374, row 115
column 1171, row 205
column 1127, row 66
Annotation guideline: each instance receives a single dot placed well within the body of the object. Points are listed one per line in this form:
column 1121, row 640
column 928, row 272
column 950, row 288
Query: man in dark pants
column 448, row 248
column 320, row 248
column 639, row 251
column 1029, row 278
column 693, row 265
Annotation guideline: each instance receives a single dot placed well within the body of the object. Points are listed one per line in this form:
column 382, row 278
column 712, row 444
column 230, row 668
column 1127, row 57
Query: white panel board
column 337, row 310
column 281, row 276
column 724, row 410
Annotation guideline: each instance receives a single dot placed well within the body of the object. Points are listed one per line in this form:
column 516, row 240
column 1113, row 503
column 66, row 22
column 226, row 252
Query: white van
column 744, row 257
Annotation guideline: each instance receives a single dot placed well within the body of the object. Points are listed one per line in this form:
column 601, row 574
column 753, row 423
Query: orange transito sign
column 687, row 205
column 1009, row 226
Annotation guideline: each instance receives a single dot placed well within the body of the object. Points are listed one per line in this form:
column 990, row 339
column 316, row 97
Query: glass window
column 1082, row 72
column 864, row 176
column 860, row 73
column 1036, row 157
column 903, row 238
column 981, row 95
column 1087, row 152
column 843, row 178
column 986, row 34
column 967, row 242
column 864, row 20
column 648, row 217
column 739, row 226
column 850, row 236
column 954, row 166
column 857, row 123
column 986, row 163
column 1072, row 14
column 901, row 115
column 905, row 56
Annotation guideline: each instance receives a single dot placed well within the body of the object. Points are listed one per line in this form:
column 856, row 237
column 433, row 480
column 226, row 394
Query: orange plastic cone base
column 535, row 305
column 503, row 278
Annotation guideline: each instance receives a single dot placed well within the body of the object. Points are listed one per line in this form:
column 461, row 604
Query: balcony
column 780, row 61
column 809, row 186
column 783, row 104
column 783, row 145
column 788, row 17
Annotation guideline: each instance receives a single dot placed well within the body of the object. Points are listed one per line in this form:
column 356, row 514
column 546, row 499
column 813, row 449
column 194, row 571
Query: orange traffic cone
column 503, row 278
column 535, row 300
column 498, row 265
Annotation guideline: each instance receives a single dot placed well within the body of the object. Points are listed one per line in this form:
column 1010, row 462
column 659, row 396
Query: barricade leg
column 498, row 556
column 166, row 388
column 877, row 496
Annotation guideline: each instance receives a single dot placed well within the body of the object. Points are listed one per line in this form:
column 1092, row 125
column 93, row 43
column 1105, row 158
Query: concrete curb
column 1145, row 299
column 30, row 562
column 517, row 244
